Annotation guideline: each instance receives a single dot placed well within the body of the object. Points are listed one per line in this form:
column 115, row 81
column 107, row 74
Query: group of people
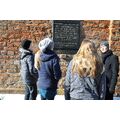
column 90, row 75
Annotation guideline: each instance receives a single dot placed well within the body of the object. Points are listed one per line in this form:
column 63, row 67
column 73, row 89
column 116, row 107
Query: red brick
column 10, row 53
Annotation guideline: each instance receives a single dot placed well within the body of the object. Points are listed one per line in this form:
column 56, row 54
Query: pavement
column 21, row 97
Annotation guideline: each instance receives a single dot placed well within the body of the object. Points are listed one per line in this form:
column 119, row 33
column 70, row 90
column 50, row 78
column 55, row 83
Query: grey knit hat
column 46, row 43
column 105, row 43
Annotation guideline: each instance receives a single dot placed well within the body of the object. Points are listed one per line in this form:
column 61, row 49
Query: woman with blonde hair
column 83, row 73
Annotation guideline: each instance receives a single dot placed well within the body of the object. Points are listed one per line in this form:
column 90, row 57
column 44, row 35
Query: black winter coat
column 111, row 64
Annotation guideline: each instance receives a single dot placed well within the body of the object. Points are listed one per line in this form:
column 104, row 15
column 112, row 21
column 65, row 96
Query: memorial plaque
column 66, row 35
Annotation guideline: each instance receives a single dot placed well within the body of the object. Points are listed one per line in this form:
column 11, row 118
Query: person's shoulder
column 70, row 64
column 53, row 52
column 30, row 56
column 55, row 55
column 114, row 56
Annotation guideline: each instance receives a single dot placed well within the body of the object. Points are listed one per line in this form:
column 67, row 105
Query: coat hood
column 24, row 53
column 47, row 55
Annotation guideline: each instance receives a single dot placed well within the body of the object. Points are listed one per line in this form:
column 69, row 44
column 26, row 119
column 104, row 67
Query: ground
column 21, row 97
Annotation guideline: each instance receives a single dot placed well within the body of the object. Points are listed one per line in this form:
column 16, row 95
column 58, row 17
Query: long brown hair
column 87, row 62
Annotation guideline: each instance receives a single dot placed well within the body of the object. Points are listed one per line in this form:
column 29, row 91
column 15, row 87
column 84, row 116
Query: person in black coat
column 111, row 69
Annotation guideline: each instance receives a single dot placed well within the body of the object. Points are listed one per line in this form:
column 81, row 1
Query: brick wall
column 115, row 45
column 12, row 32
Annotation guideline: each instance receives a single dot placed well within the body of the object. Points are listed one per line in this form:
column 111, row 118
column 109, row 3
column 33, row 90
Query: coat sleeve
column 56, row 69
column 115, row 70
column 32, row 70
column 67, row 83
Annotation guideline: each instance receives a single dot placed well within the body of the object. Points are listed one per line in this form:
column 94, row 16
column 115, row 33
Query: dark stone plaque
column 66, row 35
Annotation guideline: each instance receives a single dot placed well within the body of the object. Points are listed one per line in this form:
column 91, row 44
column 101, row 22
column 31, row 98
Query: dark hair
column 26, row 43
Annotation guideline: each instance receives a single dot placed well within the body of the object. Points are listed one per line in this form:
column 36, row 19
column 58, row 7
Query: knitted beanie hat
column 46, row 43
column 105, row 43
column 26, row 44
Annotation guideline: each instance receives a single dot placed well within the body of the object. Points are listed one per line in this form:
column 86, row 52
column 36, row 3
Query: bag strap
column 89, row 82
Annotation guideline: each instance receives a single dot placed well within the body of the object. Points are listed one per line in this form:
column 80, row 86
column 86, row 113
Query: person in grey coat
column 83, row 74
column 28, row 73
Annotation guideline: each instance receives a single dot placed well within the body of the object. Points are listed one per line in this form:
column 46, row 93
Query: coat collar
column 106, row 55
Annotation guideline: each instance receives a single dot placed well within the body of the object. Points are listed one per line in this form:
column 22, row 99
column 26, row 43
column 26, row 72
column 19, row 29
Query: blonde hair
column 87, row 62
column 37, row 62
